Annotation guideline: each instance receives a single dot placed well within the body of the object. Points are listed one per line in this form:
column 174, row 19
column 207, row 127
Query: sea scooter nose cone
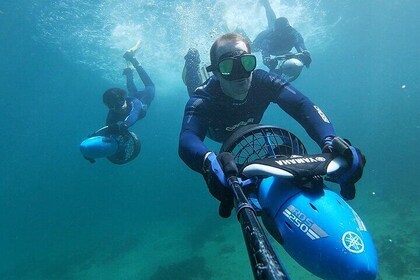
column 364, row 268
column 98, row 146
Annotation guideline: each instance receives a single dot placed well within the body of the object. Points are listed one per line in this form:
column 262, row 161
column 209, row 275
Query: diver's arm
column 271, row 16
column 299, row 42
column 310, row 116
column 192, row 76
column 136, row 112
column 266, row 58
column 191, row 148
column 305, row 55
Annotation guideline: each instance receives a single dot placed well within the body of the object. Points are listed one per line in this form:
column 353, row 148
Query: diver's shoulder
column 132, row 99
column 265, row 78
column 260, row 75
column 208, row 89
column 260, row 72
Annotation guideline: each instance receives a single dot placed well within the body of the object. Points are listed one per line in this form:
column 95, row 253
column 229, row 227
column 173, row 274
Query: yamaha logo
column 352, row 242
column 300, row 160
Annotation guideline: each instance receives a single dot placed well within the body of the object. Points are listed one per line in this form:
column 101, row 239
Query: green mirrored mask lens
column 248, row 62
column 225, row 66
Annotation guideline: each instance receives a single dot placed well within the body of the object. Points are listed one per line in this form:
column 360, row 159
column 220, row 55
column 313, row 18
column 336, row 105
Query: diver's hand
column 270, row 63
column 193, row 57
column 356, row 161
column 327, row 144
column 305, row 57
column 216, row 171
column 117, row 128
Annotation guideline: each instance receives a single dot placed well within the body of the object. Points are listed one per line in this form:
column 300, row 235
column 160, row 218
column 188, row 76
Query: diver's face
column 124, row 106
column 236, row 89
column 120, row 106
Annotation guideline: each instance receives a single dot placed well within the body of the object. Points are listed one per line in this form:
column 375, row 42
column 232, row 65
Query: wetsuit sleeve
column 310, row 116
column 191, row 148
column 147, row 95
column 136, row 112
column 192, row 76
column 271, row 18
column 266, row 58
column 299, row 42
column 269, row 12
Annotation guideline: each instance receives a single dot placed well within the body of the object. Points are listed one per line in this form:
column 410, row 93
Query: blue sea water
column 64, row 218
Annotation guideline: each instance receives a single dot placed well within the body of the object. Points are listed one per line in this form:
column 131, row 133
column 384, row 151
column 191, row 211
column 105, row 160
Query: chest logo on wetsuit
column 242, row 123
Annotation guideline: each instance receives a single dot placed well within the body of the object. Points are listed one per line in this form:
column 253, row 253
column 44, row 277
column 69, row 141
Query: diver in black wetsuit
column 235, row 96
column 125, row 110
column 279, row 39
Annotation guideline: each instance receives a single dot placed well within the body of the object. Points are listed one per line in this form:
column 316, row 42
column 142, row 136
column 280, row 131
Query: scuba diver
column 125, row 110
column 279, row 39
column 146, row 95
column 114, row 141
column 238, row 95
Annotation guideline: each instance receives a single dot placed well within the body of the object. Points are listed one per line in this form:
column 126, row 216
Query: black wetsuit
column 192, row 77
column 130, row 115
column 211, row 113
column 145, row 96
column 278, row 43
column 137, row 102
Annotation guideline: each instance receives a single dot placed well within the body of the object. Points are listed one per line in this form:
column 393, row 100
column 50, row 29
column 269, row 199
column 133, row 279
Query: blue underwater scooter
column 118, row 147
column 283, row 185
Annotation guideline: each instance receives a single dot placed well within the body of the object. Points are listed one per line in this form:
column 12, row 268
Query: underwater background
column 153, row 218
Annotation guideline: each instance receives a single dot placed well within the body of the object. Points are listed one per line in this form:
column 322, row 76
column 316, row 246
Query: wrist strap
column 208, row 157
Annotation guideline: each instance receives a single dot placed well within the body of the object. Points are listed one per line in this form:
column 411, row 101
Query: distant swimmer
column 115, row 141
column 279, row 39
column 126, row 109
